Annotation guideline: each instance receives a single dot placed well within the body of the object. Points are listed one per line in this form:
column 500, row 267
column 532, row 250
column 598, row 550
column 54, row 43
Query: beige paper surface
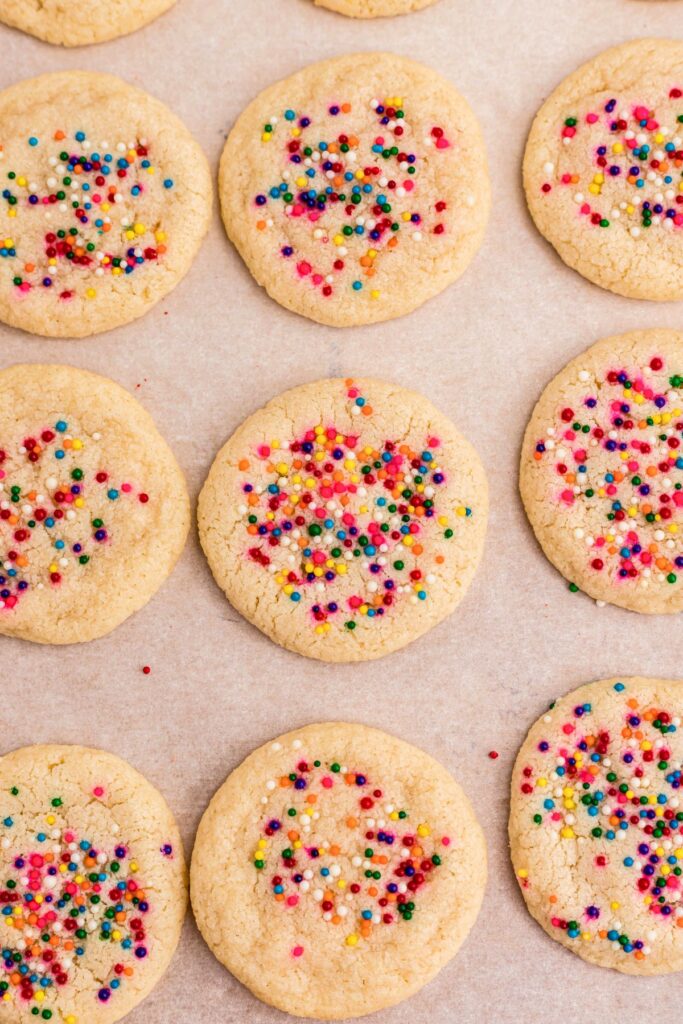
column 217, row 348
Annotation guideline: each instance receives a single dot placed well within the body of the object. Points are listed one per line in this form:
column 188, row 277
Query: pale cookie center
column 335, row 849
column 349, row 531
column 612, row 464
column 59, row 507
column 79, row 213
column 617, row 790
column 349, row 186
column 622, row 163
column 73, row 912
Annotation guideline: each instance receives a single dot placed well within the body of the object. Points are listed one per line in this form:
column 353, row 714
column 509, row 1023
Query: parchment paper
column 218, row 348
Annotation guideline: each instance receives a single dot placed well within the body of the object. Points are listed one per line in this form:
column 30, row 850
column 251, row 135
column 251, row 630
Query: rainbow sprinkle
column 341, row 846
column 637, row 156
column 54, row 514
column 347, row 530
column 58, row 896
column 615, row 462
column 619, row 791
column 90, row 197
column 342, row 198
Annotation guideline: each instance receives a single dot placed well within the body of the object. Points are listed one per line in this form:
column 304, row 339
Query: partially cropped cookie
column 596, row 826
column 345, row 519
column 374, row 8
column 80, row 22
column 602, row 471
column 603, row 169
column 106, row 198
column 92, row 886
column 337, row 870
column 94, row 510
column 356, row 189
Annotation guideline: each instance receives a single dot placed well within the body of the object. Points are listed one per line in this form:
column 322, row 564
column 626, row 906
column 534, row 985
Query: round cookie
column 603, row 169
column 357, row 188
column 345, row 519
column 80, row 22
column 596, row 827
column 105, row 202
column 92, row 886
column 354, row 854
column 94, row 511
column 602, row 471
column 374, row 8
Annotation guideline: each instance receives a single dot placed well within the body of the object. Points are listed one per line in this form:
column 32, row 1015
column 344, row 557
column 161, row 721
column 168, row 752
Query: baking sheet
column 217, row 348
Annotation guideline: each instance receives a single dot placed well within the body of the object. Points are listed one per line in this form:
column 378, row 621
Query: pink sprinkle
column 298, row 951
column 327, row 782
column 445, row 841
column 304, row 268
column 442, row 143
column 98, row 791
column 591, row 118
column 126, row 488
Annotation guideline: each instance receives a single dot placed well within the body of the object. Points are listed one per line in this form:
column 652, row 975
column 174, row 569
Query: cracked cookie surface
column 94, row 510
column 105, row 200
column 92, row 886
column 603, row 169
column 596, row 824
column 345, row 519
column 329, row 861
column 80, row 22
column 357, row 188
column 601, row 471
